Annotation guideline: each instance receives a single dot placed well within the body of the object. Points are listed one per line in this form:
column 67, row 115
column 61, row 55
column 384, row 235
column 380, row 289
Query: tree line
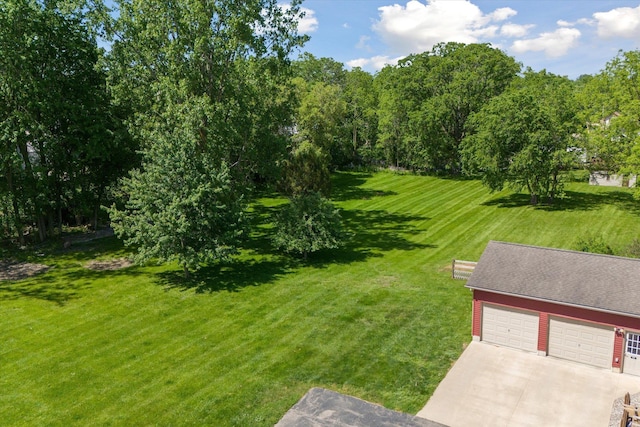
column 473, row 110
column 172, row 114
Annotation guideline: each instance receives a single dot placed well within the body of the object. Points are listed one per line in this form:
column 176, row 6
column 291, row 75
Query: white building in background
column 606, row 179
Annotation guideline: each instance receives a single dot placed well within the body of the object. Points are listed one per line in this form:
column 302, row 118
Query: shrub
column 594, row 244
column 633, row 249
column 307, row 224
column 581, row 175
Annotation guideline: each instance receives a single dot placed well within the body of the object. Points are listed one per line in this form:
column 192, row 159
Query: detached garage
column 570, row 305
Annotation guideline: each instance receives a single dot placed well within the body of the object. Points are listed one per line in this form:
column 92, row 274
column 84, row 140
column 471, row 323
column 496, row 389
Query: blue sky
column 566, row 37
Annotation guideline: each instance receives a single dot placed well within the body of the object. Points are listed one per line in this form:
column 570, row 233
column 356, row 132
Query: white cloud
column 586, row 21
column 502, row 14
column 346, row 25
column 515, row 30
column 553, row 44
column 582, row 21
column 620, row 22
column 308, row 23
column 363, row 43
column 418, row 26
column 376, row 63
column 485, row 32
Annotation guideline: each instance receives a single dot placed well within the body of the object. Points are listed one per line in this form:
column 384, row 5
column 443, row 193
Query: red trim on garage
column 547, row 308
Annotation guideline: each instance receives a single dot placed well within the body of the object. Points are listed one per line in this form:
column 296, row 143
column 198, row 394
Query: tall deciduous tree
column 439, row 91
column 393, row 117
column 610, row 104
column 321, row 119
column 56, row 124
column 521, row 137
column 361, row 118
column 320, row 70
column 223, row 67
column 182, row 205
column 307, row 171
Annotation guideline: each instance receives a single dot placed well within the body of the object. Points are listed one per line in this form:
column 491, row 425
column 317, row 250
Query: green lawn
column 238, row 345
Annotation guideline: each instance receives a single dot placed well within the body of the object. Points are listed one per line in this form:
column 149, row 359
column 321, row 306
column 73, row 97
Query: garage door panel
column 510, row 327
column 582, row 342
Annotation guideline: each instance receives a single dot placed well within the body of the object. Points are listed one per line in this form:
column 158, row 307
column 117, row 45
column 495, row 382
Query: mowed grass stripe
column 379, row 319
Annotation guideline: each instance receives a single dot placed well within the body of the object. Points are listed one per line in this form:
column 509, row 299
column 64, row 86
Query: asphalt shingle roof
column 321, row 407
column 601, row 282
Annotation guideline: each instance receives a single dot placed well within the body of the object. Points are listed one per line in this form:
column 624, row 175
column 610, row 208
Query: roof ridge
column 571, row 251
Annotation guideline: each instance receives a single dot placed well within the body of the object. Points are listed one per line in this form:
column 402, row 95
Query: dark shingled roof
column 324, row 408
column 600, row 282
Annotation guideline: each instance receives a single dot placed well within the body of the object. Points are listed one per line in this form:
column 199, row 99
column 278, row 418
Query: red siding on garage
column 543, row 332
column 477, row 317
column 618, row 350
column 558, row 310
column 545, row 309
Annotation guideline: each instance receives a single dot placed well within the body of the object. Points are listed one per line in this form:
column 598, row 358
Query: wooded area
column 195, row 105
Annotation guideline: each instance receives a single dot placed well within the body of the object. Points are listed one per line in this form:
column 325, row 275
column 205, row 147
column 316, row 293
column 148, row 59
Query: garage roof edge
column 597, row 282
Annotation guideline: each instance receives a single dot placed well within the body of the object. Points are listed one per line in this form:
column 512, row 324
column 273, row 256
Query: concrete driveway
column 497, row 386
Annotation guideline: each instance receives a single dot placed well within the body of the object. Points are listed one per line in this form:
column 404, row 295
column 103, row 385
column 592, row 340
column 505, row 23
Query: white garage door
column 510, row 327
column 581, row 342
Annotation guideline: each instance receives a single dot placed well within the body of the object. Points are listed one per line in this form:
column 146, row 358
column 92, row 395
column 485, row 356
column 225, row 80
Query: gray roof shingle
column 321, row 407
column 601, row 282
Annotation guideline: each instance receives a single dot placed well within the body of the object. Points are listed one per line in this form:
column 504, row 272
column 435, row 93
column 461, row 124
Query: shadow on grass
column 346, row 186
column 59, row 285
column 230, row 277
column 573, row 201
column 90, row 250
column 53, row 292
column 371, row 233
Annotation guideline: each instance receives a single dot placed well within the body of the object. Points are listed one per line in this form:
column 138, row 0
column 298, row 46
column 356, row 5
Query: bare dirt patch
column 12, row 270
column 111, row 264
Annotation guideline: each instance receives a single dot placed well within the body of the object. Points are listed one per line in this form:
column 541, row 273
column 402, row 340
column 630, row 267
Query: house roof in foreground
column 600, row 282
column 321, row 407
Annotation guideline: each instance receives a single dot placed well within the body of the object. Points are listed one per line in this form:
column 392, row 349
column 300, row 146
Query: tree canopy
column 433, row 94
column 610, row 109
column 181, row 203
column 521, row 137
column 208, row 88
column 62, row 141
column 194, row 105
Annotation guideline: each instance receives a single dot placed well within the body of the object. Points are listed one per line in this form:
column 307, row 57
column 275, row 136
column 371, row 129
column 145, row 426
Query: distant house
column 605, row 179
column 570, row 305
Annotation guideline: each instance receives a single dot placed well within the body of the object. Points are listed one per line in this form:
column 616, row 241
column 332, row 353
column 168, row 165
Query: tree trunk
column 187, row 273
column 534, row 199
column 52, row 224
column 355, row 141
column 17, row 221
column 60, row 218
column 16, row 211
column 554, row 187
column 6, row 223
column 42, row 227
column 94, row 220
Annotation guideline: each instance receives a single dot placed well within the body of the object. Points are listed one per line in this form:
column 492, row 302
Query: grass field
column 239, row 344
